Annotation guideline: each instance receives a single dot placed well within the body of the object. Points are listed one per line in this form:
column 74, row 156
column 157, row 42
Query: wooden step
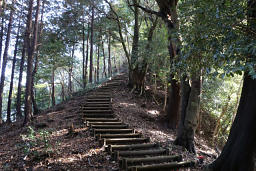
column 127, row 162
column 103, row 123
column 96, row 108
column 134, row 135
column 101, row 103
column 112, row 131
column 101, row 119
column 163, row 167
column 98, row 100
column 96, row 105
column 139, row 153
column 98, row 115
column 97, row 111
column 112, row 148
column 122, row 126
column 121, row 141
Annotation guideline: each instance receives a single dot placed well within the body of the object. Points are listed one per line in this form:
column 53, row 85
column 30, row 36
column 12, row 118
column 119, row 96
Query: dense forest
column 194, row 59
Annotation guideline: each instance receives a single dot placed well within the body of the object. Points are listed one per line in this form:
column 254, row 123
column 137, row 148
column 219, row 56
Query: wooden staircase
column 129, row 148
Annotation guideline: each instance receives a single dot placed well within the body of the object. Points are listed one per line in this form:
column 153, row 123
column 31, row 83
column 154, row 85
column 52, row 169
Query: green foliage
column 36, row 144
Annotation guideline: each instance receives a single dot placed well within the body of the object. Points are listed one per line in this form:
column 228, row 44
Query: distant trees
column 51, row 71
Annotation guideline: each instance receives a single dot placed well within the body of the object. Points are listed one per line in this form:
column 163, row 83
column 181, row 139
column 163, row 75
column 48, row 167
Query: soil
column 68, row 144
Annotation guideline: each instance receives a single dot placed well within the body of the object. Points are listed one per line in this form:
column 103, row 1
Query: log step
column 97, row 105
column 112, row 148
column 135, row 135
column 121, row 141
column 102, row 103
column 96, row 108
column 103, row 123
column 126, row 162
column 163, row 167
column 97, row 111
column 112, row 131
column 140, row 153
column 101, row 119
column 97, row 100
column 98, row 115
column 122, row 126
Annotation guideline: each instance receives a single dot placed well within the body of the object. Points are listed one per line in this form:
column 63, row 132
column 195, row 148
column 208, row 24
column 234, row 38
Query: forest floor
column 61, row 140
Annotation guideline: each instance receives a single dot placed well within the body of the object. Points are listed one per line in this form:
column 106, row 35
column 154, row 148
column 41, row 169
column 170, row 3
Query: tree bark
column 135, row 44
column 53, row 87
column 83, row 51
column 12, row 75
column 104, row 73
column 109, row 56
column 98, row 64
column 5, row 56
column 31, row 50
column 239, row 152
column 168, row 9
column 70, row 70
column 1, row 39
column 87, row 54
column 187, row 130
column 36, row 110
column 91, row 50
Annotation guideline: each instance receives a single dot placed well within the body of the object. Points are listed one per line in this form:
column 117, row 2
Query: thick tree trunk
column 104, row 73
column 186, row 132
column 237, row 154
column 53, row 88
column 185, row 92
column 31, row 50
column 5, row 60
column 173, row 103
column 12, row 75
column 135, row 44
column 91, row 50
column 109, row 56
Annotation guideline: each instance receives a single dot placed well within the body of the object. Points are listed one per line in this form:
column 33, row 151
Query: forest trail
column 131, row 127
column 125, row 145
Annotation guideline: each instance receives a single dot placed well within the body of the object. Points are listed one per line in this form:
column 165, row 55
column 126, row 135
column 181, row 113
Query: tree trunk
column 239, row 152
column 104, row 73
column 169, row 8
column 1, row 39
column 5, row 56
column 173, row 103
column 98, row 64
column 87, row 54
column 91, row 50
column 135, row 44
column 186, row 132
column 36, row 110
column 12, row 75
column 83, row 51
column 53, row 90
column 18, row 103
column 31, row 50
column 70, row 70
column 109, row 56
